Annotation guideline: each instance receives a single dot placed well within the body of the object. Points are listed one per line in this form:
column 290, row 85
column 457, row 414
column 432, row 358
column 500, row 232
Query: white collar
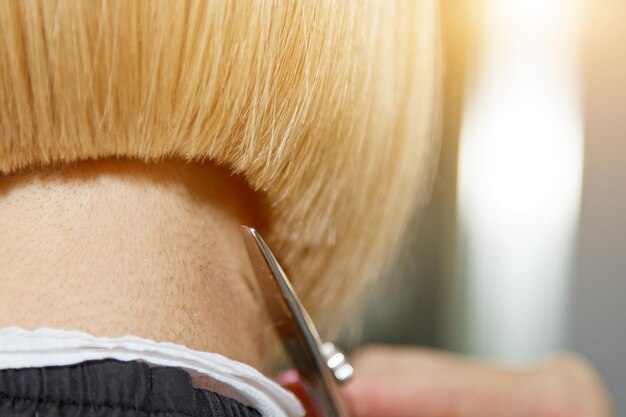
column 21, row 348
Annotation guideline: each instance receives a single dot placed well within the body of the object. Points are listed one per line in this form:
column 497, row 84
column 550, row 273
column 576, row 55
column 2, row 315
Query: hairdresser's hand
column 405, row 382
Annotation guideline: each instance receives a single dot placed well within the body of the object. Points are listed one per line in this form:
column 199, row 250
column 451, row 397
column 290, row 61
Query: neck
column 117, row 248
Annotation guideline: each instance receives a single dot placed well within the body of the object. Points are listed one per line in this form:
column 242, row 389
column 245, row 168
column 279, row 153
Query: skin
column 122, row 247
column 406, row 382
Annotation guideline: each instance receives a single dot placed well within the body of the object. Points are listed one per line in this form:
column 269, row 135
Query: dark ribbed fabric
column 110, row 388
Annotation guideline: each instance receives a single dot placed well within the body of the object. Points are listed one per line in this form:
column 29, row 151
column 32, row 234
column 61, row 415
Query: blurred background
column 521, row 251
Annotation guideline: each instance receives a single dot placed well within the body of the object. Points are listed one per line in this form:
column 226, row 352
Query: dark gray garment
column 110, row 388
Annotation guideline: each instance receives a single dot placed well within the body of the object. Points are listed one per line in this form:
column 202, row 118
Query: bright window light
column 520, row 175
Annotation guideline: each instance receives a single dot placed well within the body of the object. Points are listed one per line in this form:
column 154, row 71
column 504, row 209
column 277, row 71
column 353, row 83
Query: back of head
column 325, row 108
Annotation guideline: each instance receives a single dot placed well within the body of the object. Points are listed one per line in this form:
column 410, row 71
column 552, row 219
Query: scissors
column 321, row 366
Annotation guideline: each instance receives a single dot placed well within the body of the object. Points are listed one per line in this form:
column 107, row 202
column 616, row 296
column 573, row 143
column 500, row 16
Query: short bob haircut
column 326, row 108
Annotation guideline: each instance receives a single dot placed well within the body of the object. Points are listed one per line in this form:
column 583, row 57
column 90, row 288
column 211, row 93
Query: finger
column 399, row 396
column 290, row 380
column 407, row 382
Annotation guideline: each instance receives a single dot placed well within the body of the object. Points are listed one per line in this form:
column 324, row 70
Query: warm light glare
column 520, row 174
column 534, row 9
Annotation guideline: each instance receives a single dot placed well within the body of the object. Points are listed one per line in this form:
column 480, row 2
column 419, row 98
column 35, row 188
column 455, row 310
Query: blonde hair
column 324, row 107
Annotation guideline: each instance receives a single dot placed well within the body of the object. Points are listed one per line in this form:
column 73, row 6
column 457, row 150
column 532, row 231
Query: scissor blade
column 295, row 327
